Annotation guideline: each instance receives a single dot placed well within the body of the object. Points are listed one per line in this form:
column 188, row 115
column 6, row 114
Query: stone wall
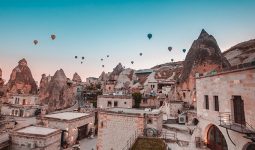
column 123, row 101
column 70, row 126
column 24, row 142
column 226, row 85
column 115, row 130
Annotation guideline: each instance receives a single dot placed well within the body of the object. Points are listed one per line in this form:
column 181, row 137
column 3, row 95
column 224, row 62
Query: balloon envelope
column 82, row 57
column 35, row 42
column 149, row 36
column 53, row 36
column 169, row 48
column 184, row 50
column 132, row 62
column 102, row 59
column 172, row 60
column 75, row 57
column 103, row 66
column 107, row 55
column 141, row 54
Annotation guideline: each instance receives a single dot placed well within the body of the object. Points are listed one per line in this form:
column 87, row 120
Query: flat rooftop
column 67, row 115
column 37, row 130
column 133, row 111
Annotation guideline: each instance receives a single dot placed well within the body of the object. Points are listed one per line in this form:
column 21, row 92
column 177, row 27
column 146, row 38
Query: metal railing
column 227, row 121
column 131, row 141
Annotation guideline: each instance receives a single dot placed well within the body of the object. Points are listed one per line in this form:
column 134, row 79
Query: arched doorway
column 215, row 139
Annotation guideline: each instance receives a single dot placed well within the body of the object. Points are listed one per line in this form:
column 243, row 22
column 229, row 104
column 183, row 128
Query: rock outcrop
column 124, row 80
column 1, row 80
column 21, row 79
column 203, row 56
column 241, row 53
column 76, row 78
column 56, row 93
column 116, row 71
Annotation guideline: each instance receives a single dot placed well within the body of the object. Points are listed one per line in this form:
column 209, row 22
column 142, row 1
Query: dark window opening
column 216, row 103
column 115, row 104
column 109, row 104
column 206, row 102
column 149, row 121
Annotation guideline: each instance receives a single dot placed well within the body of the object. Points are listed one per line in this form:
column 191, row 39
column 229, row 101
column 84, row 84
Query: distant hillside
column 241, row 53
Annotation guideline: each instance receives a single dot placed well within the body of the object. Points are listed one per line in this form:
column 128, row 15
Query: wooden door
column 239, row 116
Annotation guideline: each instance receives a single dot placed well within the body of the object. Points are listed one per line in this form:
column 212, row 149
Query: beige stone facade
column 21, row 105
column 228, row 87
column 37, row 138
column 118, row 125
column 74, row 126
column 108, row 101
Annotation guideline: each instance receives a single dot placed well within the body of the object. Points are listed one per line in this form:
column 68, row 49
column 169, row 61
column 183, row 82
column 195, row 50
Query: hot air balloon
column 103, row 66
column 107, row 55
column 102, row 59
column 141, row 54
column 75, row 57
column 53, row 36
column 169, row 48
column 184, row 50
column 172, row 60
column 149, row 36
column 132, row 62
column 82, row 57
column 81, row 62
column 35, row 42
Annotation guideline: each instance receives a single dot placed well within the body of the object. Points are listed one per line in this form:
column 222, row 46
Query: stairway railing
column 131, row 141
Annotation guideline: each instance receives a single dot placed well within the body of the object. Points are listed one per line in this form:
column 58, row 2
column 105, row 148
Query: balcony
column 226, row 121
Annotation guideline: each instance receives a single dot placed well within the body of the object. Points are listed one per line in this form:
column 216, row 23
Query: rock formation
column 241, row 53
column 76, row 78
column 116, row 71
column 124, row 80
column 203, row 56
column 21, row 79
column 1, row 80
column 58, row 92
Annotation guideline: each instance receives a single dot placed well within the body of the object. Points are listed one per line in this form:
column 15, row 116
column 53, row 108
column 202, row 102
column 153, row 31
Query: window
column 216, row 103
column 149, row 121
column 206, row 102
column 109, row 104
column 115, row 104
column 184, row 95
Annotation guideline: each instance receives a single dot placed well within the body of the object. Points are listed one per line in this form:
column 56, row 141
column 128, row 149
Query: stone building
column 33, row 137
column 91, row 80
column 225, row 109
column 118, row 125
column 4, row 140
column 108, row 101
column 21, row 105
column 74, row 126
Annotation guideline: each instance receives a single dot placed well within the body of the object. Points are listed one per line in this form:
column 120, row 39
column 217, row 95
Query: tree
column 137, row 97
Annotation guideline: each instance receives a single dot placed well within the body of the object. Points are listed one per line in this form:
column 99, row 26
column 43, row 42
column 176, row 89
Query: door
column 21, row 113
column 239, row 116
column 82, row 132
column 215, row 139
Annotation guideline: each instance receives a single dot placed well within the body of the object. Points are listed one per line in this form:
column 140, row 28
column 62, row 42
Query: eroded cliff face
column 58, row 92
column 241, row 53
column 116, row 72
column 1, row 80
column 76, row 78
column 21, row 79
column 204, row 56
